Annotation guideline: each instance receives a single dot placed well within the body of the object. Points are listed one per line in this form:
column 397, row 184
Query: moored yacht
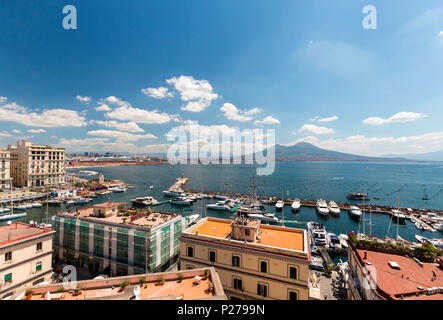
column 181, row 201
column 317, row 231
column 219, row 206
column 279, row 205
column 144, row 201
column 322, row 207
column 398, row 216
column 355, row 212
column 295, row 205
column 263, row 216
column 333, row 208
column 334, row 243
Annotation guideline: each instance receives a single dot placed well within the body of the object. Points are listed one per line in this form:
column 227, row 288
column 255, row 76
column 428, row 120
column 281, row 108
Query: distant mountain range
column 430, row 156
column 304, row 151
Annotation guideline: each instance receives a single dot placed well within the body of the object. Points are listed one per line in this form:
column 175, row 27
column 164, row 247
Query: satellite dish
column 9, row 222
column 137, row 292
column 31, row 222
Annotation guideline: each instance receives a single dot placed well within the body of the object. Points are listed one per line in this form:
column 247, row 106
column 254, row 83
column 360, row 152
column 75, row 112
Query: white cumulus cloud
column 231, row 112
column 313, row 129
column 83, row 99
column 401, row 117
column 49, row 118
column 197, row 93
column 122, row 126
column 37, row 130
column 120, row 135
column 333, row 118
column 158, row 93
column 267, row 120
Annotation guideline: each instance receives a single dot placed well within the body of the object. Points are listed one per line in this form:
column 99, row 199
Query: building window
column 39, row 246
column 293, row 273
column 262, row 290
column 212, row 256
column 235, row 261
column 263, row 266
column 38, row 266
column 247, row 232
column 8, row 278
column 292, row 295
column 189, row 267
column 190, row 251
column 238, row 284
column 8, row 256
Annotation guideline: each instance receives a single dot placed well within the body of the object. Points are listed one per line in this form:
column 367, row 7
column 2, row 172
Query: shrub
column 180, row 277
column 160, row 280
column 29, row 292
column 60, row 290
column 124, row 284
column 142, row 281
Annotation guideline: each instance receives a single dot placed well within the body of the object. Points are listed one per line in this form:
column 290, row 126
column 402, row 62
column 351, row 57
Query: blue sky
column 308, row 69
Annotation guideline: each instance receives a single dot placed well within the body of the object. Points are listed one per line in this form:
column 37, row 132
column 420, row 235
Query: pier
column 366, row 207
column 179, row 183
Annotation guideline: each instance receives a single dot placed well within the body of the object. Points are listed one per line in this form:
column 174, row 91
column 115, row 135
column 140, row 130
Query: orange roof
column 405, row 281
column 107, row 205
column 189, row 288
column 19, row 231
column 273, row 236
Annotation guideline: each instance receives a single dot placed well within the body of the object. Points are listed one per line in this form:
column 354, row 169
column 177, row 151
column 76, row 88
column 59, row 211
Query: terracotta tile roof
column 392, row 282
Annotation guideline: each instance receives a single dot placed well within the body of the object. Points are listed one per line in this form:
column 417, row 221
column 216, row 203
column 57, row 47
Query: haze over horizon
column 128, row 75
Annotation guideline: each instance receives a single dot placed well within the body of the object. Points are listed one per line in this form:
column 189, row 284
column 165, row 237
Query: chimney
column 365, row 254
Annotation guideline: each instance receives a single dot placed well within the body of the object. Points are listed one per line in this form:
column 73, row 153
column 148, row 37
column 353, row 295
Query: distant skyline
column 132, row 71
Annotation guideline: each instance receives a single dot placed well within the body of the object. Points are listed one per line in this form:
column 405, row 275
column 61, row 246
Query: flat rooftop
column 194, row 286
column 19, row 231
column 270, row 236
column 143, row 219
column 404, row 281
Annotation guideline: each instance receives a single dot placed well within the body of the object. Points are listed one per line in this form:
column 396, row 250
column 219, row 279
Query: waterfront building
column 5, row 169
column 253, row 261
column 35, row 165
column 108, row 238
column 198, row 284
column 25, row 257
column 378, row 275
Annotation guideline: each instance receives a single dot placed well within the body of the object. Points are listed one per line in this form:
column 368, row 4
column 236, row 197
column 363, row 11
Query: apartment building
column 25, row 257
column 253, row 261
column 5, row 168
column 107, row 238
column 198, row 284
column 34, row 165
column 378, row 275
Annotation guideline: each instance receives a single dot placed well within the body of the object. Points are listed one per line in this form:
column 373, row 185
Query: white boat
column 279, row 205
column 220, row 197
column 334, row 243
column 6, row 209
column 438, row 226
column 266, row 217
column 36, row 205
column 333, row 208
column 28, row 206
column 322, row 207
column 398, row 216
column 355, row 212
column 295, row 205
column 317, row 232
column 192, row 219
column 70, row 202
column 173, row 193
column 344, row 240
column 419, row 225
column 180, row 201
column 118, row 189
column 12, row 216
column 144, row 201
column 21, row 207
column 421, row 239
column 220, row 206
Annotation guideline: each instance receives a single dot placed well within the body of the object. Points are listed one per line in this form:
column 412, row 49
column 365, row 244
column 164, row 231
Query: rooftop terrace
column 126, row 216
column 194, row 285
column 19, row 231
column 269, row 237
